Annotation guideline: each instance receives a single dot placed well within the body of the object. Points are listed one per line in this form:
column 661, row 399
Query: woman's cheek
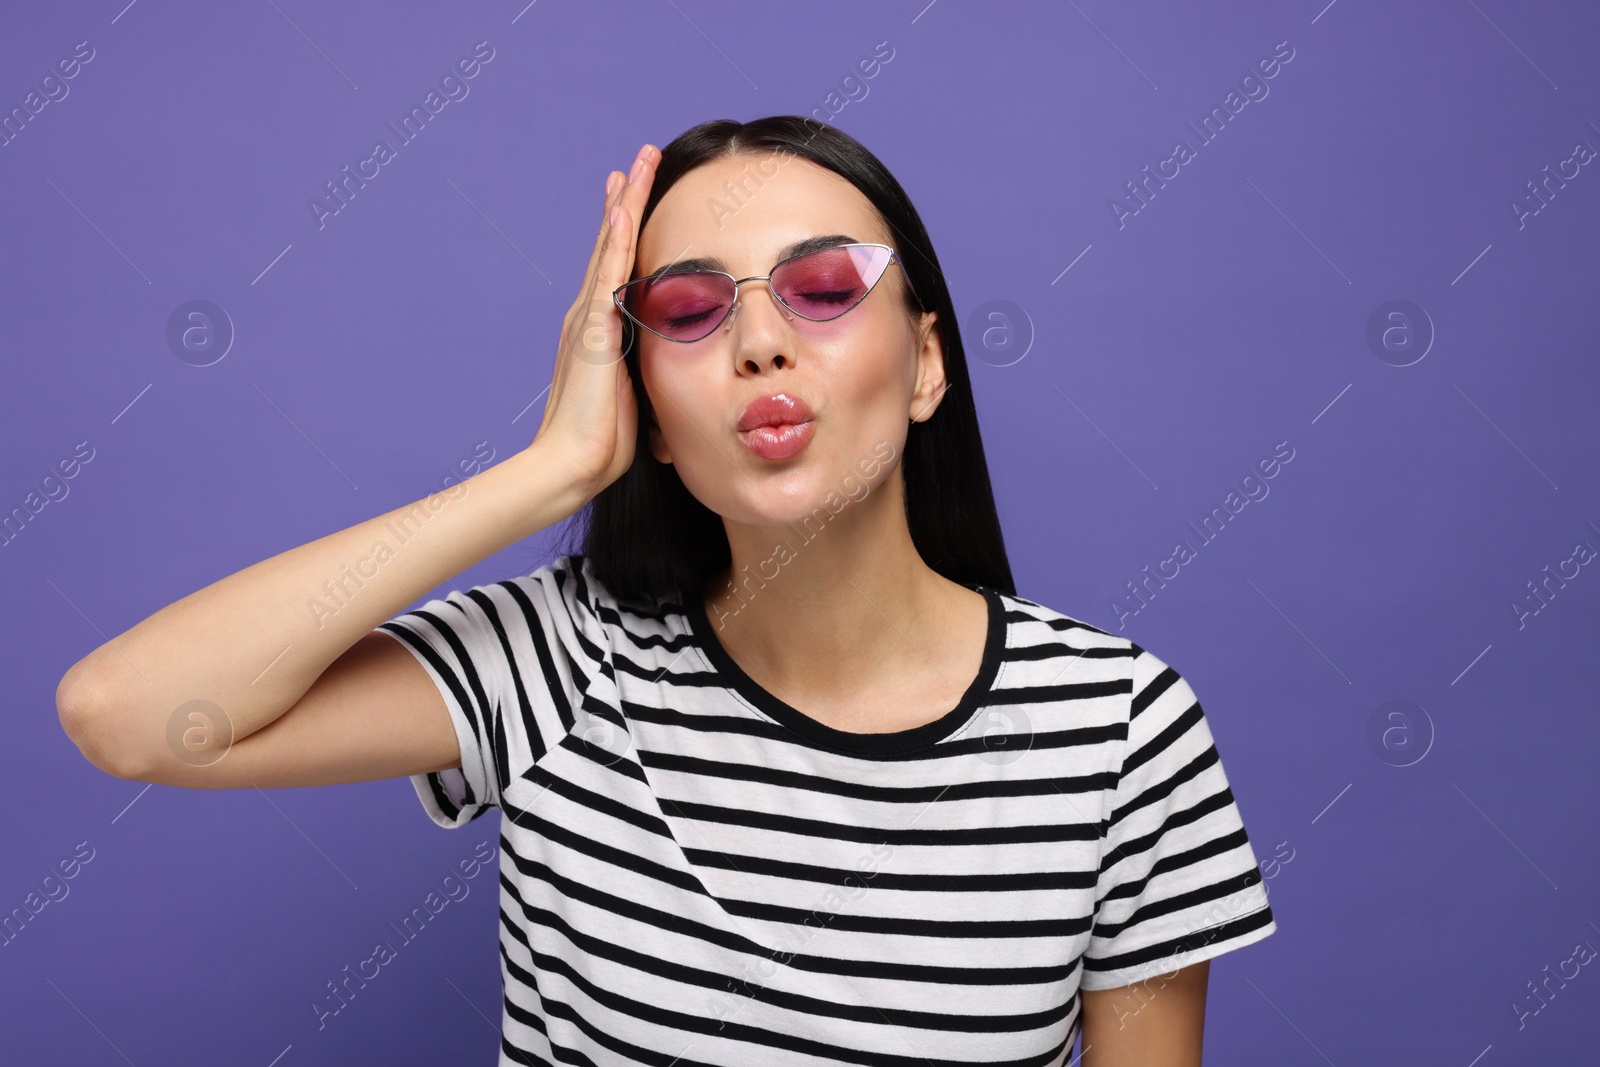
column 672, row 396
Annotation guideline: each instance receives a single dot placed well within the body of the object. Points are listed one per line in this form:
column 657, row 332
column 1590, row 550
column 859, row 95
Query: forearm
column 253, row 642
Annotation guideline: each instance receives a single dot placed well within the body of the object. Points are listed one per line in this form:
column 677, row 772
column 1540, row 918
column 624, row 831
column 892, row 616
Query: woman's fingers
column 594, row 318
column 615, row 259
column 615, row 182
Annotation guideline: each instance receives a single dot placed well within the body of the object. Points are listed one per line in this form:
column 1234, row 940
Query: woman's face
column 864, row 376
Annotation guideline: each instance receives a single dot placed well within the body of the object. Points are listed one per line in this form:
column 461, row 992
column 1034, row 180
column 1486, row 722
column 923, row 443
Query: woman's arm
column 281, row 655
column 256, row 643
column 1155, row 1023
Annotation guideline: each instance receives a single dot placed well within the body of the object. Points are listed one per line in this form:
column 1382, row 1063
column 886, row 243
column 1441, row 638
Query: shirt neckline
column 890, row 743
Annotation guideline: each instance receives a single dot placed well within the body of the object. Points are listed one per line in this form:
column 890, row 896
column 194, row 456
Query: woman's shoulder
column 1036, row 622
column 573, row 579
column 561, row 591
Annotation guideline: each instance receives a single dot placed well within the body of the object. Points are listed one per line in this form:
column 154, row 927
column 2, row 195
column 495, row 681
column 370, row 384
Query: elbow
column 86, row 699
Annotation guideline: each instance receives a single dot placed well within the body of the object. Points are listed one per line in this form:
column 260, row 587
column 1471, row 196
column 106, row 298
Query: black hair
column 648, row 539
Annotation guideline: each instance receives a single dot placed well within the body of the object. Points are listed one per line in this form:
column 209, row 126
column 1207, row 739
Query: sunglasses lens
column 824, row 285
column 682, row 307
column 818, row 286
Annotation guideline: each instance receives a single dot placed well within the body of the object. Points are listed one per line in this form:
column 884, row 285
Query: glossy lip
column 776, row 426
column 778, row 442
column 776, row 409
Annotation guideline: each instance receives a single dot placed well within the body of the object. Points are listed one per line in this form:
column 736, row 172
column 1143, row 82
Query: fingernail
column 638, row 165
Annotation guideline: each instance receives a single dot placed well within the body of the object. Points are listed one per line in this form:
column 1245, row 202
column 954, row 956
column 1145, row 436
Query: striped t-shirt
column 692, row 872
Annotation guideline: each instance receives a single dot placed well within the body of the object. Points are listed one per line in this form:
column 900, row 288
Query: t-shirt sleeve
column 1178, row 879
column 511, row 660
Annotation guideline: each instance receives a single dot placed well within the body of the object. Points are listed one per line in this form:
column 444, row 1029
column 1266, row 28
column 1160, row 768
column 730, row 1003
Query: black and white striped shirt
column 693, row 872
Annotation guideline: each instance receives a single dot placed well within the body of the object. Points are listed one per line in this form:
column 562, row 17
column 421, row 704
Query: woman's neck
column 832, row 615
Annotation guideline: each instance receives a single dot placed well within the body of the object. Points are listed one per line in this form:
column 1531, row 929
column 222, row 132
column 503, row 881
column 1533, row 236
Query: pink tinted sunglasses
column 686, row 306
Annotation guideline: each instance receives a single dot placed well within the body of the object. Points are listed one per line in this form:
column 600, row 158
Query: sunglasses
column 819, row 286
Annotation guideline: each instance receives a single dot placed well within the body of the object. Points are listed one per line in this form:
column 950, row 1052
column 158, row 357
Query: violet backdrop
column 1379, row 260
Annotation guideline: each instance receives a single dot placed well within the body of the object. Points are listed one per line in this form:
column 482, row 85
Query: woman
column 789, row 772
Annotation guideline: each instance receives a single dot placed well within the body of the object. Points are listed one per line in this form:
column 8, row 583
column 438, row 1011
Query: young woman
column 789, row 773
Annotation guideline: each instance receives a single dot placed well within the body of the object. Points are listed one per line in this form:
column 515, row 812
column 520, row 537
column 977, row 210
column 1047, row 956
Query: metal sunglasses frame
column 733, row 308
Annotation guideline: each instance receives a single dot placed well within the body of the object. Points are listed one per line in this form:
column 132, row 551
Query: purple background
column 1229, row 314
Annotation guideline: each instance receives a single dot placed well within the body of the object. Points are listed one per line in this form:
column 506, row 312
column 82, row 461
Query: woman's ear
column 658, row 443
column 931, row 382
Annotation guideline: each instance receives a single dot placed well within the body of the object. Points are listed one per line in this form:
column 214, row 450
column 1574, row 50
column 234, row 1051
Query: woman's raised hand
column 591, row 414
column 334, row 684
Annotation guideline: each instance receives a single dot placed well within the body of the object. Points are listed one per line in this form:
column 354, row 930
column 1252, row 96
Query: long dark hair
column 648, row 539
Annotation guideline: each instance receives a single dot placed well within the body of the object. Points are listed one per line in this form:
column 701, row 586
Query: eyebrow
column 810, row 244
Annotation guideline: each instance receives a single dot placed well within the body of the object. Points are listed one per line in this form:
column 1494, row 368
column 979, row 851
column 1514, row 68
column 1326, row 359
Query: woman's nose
column 738, row 302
